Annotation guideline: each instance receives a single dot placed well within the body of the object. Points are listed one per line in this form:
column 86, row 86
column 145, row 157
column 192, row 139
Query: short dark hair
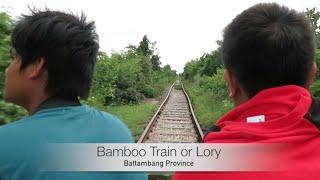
column 68, row 44
column 267, row 46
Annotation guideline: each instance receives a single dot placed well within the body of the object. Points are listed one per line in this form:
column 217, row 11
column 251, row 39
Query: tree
column 155, row 61
column 206, row 65
column 314, row 17
column 131, row 75
column 144, row 48
column 192, row 68
column 147, row 49
column 211, row 62
column 5, row 31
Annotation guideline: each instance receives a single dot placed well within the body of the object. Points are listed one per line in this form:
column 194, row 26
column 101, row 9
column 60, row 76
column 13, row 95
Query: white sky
column 183, row 29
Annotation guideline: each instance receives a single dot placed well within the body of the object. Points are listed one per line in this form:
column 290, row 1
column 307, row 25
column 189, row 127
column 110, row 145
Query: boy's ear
column 312, row 74
column 232, row 85
column 36, row 69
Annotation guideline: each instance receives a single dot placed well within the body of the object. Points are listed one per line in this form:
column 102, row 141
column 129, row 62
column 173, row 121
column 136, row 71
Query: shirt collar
column 54, row 102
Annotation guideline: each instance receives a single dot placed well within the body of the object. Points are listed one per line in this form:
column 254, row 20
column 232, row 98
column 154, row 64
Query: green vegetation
column 204, row 82
column 206, row 65
column 5, row 31
column 123, row 81
column 160, row 176
column 119, row 80
column 315, row 87
column 208, row 94
column 135, row 116
column 314, row 17
column 10, row 112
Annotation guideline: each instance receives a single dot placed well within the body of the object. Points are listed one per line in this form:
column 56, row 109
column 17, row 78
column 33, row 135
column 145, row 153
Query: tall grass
column 207, row 106
column 136, row 117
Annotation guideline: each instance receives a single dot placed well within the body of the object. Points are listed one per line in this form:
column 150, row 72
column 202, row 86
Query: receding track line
column 174, row 121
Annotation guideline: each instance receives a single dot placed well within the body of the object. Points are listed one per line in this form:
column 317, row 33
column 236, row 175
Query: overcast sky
column 183, row 29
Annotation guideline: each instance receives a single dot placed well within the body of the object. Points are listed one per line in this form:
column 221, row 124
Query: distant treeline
column 131, row 76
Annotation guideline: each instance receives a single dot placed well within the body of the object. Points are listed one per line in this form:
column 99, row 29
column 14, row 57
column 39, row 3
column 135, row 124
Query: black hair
column 269, row 45
column 67, row 43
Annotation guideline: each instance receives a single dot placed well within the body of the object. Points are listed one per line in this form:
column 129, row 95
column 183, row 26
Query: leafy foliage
column 129, row 77
column 314, row 17
column 147, row 49
column 205, row 84
column 5, row 31
column 315, row 87
column 10, row 112
column 209, row 97
column 206, row 65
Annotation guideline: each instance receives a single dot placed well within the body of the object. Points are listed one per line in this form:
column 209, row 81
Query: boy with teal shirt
column 53, row 57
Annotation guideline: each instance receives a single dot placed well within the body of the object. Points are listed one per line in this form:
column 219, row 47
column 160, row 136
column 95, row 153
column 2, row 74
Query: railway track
column 174, row 121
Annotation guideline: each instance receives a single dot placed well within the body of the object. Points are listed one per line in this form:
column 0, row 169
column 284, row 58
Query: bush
column 315, row 88
column 10, row 112
column 148, row 91
column 128, row 96
column 5, row 45
column 215, row 84
column 219, row 85
column 208, row 105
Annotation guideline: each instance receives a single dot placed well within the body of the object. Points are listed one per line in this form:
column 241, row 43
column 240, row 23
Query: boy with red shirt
column 269, row 55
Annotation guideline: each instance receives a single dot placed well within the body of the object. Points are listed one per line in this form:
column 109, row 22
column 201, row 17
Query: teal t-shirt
column 71, row 124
